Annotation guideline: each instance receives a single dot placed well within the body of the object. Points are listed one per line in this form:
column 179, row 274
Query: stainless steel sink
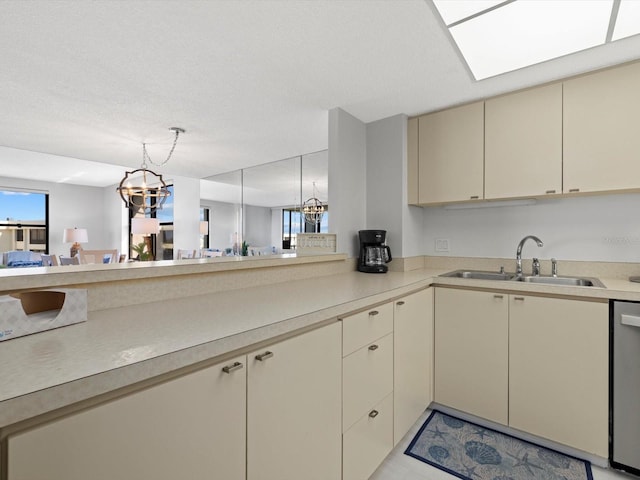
column 479, row 275
column 567, row 281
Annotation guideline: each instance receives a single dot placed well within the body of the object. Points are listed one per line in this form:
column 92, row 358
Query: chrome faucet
column 519, row 252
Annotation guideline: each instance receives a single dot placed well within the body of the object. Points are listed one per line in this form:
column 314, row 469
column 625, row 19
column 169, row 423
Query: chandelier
column 313, row 209
column 151, row 191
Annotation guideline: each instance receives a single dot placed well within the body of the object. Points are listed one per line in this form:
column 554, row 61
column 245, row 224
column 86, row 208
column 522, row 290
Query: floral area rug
column 472, row 452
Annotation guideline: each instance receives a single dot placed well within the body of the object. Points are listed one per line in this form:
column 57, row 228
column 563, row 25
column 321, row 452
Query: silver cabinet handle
column 373, row 347
column 373, row 313
column 474, row 197
column 498, row 296
column 550, row 191
column 520, row 299
column 232, row 368
column 400, row 303
column 263, row 356
column 573, row 190
column 373, row 413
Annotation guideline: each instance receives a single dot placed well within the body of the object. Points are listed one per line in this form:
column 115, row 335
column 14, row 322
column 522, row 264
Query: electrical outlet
column 442, row 244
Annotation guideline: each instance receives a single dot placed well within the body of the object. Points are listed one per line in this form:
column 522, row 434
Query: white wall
column 597, row 228
column 70, row 206
column 347, row 179
column 116, row 220
column 387, row 207
column 224, row 223
column 257, row 226
column 186, row 214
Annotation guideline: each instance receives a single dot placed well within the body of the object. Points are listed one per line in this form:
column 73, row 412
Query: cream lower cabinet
column 471, row 352
column 294, row 408
column 367, row 391
column 412, row 359
column 191, row 427
column 548, row 356
column 558, row 370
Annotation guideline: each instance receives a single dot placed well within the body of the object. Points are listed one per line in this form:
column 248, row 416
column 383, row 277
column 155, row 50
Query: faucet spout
column 519, row 251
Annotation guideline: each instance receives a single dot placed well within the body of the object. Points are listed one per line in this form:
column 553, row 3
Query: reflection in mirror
column 271, row 196
column 268, row 190
column 222, row 195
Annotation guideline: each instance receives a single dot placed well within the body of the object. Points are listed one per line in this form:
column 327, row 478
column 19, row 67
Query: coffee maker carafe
column 373, row 252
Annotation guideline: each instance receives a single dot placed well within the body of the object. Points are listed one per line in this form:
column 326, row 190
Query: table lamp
column 146, row 227
column 75, row 236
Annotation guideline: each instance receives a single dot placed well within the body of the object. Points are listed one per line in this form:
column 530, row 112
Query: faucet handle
column 535, row 267
column 554, row 267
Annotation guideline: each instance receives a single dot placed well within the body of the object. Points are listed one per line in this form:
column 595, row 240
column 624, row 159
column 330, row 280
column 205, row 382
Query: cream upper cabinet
column 451, row 154
column 185, row 428
column 523, row 143
column 471, row 352
column 412, row 162
column 294, row 405
column 601, row 141
column 413, row 359
column 558, row 370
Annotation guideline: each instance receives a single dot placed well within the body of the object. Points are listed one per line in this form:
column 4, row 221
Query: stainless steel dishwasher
column 625, row 425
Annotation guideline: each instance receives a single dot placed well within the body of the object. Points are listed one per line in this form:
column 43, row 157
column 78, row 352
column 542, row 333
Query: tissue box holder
column 32, row 312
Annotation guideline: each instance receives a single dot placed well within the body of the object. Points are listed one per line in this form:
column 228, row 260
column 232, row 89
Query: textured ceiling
column 251, row 81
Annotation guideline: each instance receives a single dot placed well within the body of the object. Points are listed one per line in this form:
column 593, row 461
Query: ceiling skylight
column 499, row 37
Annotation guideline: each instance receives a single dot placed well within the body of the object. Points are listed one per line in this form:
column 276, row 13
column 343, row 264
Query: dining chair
column 69, row 260
column 49, row 260
column 98, row 256
column 182, row 254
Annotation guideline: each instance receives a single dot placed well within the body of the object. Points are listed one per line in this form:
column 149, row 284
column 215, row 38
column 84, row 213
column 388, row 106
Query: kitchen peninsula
column 130, row 347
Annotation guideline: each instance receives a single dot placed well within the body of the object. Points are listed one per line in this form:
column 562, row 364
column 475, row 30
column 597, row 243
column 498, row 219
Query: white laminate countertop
column 122, row 346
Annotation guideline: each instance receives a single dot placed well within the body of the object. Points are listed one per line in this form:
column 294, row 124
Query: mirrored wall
column 261, row 207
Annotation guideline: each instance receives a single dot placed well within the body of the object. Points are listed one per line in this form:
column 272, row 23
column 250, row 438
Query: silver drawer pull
column 373, row 313
column 474, row 197
column 550, row 191
column 574, row 190
column 263, row 356
column 373, row 347
column 520, row 299
column 498, row 296
column 400, row 303
column 373, row 413
column 232, row 368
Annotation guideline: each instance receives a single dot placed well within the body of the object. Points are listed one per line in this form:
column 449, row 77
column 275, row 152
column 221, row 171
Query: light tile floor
column 398, row 466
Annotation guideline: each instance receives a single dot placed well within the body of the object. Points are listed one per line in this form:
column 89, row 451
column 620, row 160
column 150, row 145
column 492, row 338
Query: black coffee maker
column 373, row 252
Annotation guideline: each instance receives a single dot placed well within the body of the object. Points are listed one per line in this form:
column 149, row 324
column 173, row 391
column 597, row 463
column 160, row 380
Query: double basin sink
column 548, row 280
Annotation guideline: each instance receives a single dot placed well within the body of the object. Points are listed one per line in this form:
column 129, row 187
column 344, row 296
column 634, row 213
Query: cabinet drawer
column 363, row 328
column 367, row 377
column 368, row 442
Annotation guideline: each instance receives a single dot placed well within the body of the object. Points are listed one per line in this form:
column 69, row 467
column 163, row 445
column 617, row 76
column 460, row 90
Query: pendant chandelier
column 313, row 209
column 150, row 192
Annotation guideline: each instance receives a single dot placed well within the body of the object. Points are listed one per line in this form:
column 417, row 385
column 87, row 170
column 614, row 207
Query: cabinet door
column 471, row 352
column 294, row 406
column 413, row 359
column 558, row 370
column 412, row 162
column 451, row 154
column 601, row 141
column 184, row 428
column 367, row 377
column 368, row 441
column 523, row 143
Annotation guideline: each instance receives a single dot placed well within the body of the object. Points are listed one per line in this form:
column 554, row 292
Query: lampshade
column 145, row 226
column 204, row 227
column 75, row 235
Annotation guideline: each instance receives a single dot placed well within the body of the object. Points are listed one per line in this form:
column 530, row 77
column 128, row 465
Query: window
column 205, row 214
column 24, row 221
column 291, row 224
column 161, row 250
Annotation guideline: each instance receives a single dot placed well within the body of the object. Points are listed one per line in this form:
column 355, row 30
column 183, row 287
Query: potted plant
column 140, row 249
